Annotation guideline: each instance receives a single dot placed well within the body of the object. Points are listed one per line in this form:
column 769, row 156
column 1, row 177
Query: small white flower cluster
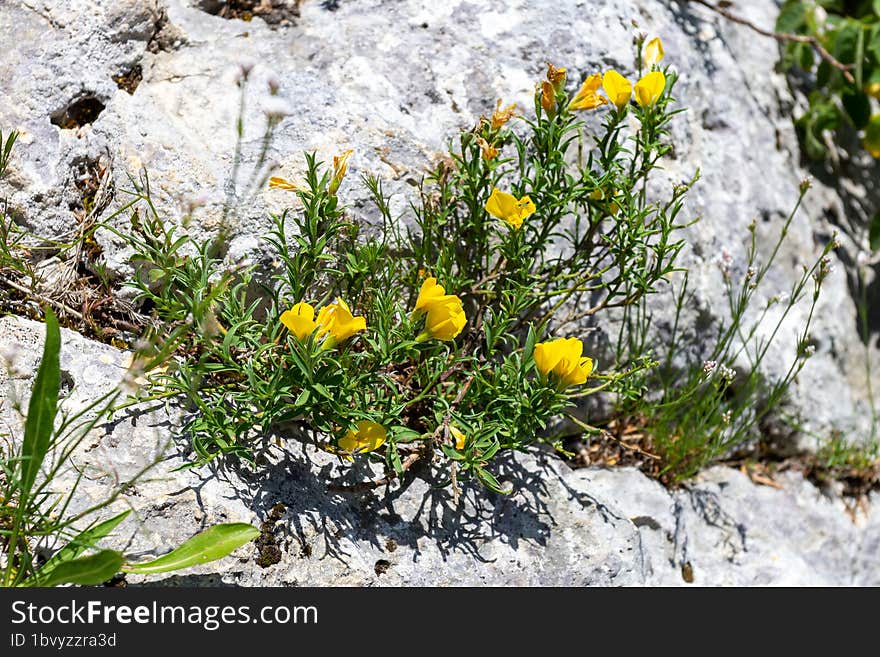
column 710, row 366
column 725, row 262
column 726, row 373
column 726, row 416
column 825, row 268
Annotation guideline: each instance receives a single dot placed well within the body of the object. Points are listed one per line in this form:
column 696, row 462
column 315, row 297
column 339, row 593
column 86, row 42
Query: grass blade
column 42, row 407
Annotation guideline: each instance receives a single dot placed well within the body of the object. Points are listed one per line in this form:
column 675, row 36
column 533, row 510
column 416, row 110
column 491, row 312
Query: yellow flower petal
column 300, row 320
column 489, row 152
column 578, row 374
column 508, row 208
column 525, row 207
column 548, row 98
column 617, row 87
column 445, row 319
column 430, row 293
column 367, row 437
column 337, row 323
column 653, row 52
column 501, row 116
column 556, row 77
column 460, row 438
column 340, row 166
column 546, row 357
column 276, row 182
column 650, row 88
column 562, row 358
column 586, row 98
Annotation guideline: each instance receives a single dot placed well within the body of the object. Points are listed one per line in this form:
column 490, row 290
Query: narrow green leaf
column 874, row 233
column 93, row 569
column 42, row 407
column 78, row 544
column 212, row 544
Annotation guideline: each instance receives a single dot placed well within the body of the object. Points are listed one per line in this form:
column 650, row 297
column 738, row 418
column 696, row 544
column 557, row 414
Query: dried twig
column 782, row 37
column 365, row 486
column 40, row 297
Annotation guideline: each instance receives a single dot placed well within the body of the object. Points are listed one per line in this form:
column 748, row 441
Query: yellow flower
column 556, row 77
column 489, row 151
column 649, row 88
column 300, row 320
column 508, row 208
column 459, row 437
column 337, row 322
column 586, row 98
column 563, row 358
column 548, row 98
column 340, row 165
column 873, row 89
column 653, row 52
column 276, row 182
column 618, row 88
column 430, row 293
column 501, row 116
column 368, row 437
column 872, row 136
column 445, row 319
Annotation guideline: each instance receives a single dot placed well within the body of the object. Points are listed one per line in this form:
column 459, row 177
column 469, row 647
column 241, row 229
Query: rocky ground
column 104, row 88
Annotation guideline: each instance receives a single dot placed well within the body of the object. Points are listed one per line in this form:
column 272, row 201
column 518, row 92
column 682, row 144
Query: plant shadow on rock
column 414, row 509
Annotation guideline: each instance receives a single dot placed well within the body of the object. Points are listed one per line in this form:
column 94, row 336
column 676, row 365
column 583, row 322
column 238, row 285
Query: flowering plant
column 449, row 336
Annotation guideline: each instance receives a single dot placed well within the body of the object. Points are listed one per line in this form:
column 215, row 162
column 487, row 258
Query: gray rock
column 557, row 527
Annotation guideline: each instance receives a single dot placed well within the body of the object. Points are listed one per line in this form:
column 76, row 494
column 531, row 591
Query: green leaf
column 871, row 141
column 858, row 107
column 846, row 41
column 531, row 339
column 874, row 233
column 42, row 407
column 93, row 569
column 78, row 544
column 792, row 17
column 212, row 544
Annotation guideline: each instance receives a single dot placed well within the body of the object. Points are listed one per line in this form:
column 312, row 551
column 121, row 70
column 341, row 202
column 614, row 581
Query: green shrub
column 442, row 333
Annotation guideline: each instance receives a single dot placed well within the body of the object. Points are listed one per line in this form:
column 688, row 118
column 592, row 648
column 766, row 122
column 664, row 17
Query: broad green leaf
column 212, row 544
column 78, row 544
column 405, row 434
column 93, row 569
column 846, row 41
column 792, row 17
column 43, row 406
